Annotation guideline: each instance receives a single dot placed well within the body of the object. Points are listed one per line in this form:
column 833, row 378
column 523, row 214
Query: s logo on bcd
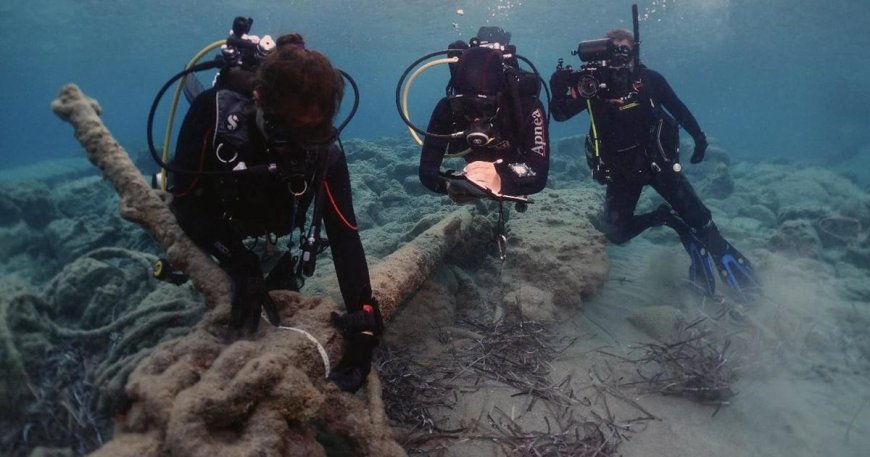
column 232, row 122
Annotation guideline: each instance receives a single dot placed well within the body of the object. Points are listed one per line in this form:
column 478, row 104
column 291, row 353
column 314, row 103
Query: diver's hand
column 484, row 175
column 360, row 329
column 250, row 295
column 700, row 148
column 356, row 362
column 559, row 83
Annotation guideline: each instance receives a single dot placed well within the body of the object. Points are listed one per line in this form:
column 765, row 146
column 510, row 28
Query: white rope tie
column 323, row 355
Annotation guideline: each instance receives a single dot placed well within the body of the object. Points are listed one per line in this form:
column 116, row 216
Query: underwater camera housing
column 598, row 77
column 605, row 72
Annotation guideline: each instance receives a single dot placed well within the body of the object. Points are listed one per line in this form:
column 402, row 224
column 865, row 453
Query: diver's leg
column 683, row 204
column 694, row 223
column 217, row 238
column 619, row 223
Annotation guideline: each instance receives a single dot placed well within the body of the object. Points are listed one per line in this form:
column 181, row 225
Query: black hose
column 541, row 78
column 355, row 101
column 429, row 56
column 217, row 63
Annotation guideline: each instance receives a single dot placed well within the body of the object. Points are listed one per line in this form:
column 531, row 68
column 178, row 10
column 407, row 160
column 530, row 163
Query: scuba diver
column 254, row 152
column 492, row 117
column 633, row 141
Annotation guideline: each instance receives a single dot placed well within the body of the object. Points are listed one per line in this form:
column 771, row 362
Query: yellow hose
column 167, row 137
column 408, row 89
column 594, row 128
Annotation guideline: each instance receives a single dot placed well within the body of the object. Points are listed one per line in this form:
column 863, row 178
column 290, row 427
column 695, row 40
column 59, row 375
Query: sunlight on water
column 717, row 51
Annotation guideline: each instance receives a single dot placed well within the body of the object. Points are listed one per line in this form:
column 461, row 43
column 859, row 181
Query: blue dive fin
column 701, row 274
column 701, row 270
column 737, row 272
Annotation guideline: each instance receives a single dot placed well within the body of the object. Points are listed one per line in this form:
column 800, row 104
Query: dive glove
column 250, row 295
column 559, row 83
column 361, row 330
column 356, row 362
column 700, row 148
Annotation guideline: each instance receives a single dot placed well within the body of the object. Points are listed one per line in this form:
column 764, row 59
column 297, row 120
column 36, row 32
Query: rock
column 71, row 238
column 533, row 303
column 34, row 202
column 720, row 184
column 658, row 322
column 797, row 237
column 761, row 213
column 10, row 214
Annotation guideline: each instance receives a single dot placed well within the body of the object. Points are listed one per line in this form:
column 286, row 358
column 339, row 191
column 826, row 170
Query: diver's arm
column 565, row 103
column 434, row 148
column 340, row 222
column 668, row 98
column 194, row 141
column 517, row 179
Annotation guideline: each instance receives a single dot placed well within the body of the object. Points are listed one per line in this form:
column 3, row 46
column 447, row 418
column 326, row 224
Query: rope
column 323, row 355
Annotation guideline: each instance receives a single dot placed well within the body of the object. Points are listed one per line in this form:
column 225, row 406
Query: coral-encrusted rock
column 554, row 247
column 797, row 237
column 34, row 202
column 9, row 212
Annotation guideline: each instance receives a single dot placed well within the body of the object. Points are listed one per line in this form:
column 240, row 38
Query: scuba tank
column 502, row 83
column 485, row 97
column 240, row 56
column 239, row 51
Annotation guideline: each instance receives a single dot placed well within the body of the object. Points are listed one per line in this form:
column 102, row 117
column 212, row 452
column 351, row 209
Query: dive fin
column 701, row 274
column 737, row 272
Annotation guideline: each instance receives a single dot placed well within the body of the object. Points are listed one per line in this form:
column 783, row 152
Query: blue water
column 766, row 79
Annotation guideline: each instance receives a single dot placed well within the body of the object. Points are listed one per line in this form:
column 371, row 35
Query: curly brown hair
column 620, row 35
column 293, row 79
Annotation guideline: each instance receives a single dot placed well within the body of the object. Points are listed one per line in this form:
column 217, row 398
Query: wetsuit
column 219, row 212
column 530, row 146
column 625, row 127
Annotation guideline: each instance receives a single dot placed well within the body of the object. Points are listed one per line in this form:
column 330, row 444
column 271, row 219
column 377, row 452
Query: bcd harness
column 300, row 169
column 661, row 147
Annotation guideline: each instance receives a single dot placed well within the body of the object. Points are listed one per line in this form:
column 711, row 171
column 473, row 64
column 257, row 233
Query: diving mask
column 479, row 112
column 622, row 55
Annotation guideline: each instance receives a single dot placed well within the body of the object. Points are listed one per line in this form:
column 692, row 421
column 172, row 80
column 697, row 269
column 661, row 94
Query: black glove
column 249, row 296
column 356, row 362
column 361, row 330
column 700, row 148
column 366, row 319
column 559, row 83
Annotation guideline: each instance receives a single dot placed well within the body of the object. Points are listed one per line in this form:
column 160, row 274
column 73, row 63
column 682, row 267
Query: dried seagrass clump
column 417, row 396
column 692, row 364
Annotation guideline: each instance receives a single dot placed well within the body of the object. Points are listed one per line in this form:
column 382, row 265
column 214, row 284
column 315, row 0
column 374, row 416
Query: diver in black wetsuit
column 266, row 136
column 633, row 142
column 506, row 141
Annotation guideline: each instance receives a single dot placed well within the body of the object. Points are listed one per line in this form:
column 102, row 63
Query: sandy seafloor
column 801, row 352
